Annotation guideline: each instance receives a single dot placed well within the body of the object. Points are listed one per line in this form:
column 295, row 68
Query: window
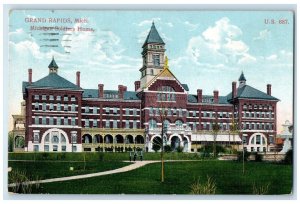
column 47, row 138
column 169, row 112
column 58, row 98
column 115, row 124
column 107, row 110
column 63, row 148
column 58, row 121
column 43, row 97
column 36, row 120
column 36, row 137
column 74, row 148
column 55, row 148
column 63, row 139
column 151, row 111
column 58, row 108
column 115, row 111
column 44, row 107
column 46, row 148
column 73, row 121
column 36, row 106
column 65, row 107
column 51, row 107
column 86, row 109
column 73, row 137
column 94, row 110
column 51, row 97
column 166, row 124
column 151, row 72
column 51, row 121
column 245, row 139
column 36, row 97
column 94, row 123
column 180, row 112
column 35, row 148
column 66, row 98
column 126, row 124
column 66, row 121
column 55, row 139
column 86, row 123
column 127, row 111
column 271, row 139
column 73, row 107
column 44, row 120
column 178, row 124
column 134, row 112
column 107, row 125
column 194, row 113
column 152, row 124
column 73, row 98
column 257, row 139
column 156, row 60
column 134, row 124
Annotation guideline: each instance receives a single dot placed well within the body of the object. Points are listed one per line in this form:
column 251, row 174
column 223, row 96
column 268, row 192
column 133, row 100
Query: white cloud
column 170, row 24
column 262, row 35
column 191, row 26
column 272, row 57
column 219, row 44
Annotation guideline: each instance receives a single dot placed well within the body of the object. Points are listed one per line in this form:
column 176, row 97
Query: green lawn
column 54, row 169
column 179, row 177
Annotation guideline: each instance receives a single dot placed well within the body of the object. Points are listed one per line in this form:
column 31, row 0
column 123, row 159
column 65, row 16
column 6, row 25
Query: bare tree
column 215, row 130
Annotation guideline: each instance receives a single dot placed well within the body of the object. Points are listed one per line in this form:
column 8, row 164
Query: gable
column 155, row 86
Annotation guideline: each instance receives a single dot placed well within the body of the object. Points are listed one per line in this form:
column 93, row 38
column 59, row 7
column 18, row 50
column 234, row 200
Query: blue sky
column 206, row 49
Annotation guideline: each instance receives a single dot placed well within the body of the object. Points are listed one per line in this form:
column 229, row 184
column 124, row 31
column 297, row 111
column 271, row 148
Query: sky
column 206, row 49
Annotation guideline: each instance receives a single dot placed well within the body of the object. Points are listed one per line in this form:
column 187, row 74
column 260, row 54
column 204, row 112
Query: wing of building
column 62, row 116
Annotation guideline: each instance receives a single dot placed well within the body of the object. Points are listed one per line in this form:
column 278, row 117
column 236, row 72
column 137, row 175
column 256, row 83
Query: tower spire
column 53, row 66
column 242, row 80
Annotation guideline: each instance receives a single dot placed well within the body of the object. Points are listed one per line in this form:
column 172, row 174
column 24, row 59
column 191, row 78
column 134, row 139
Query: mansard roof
column 93, row 93
column 52, row 81
column 249, row 92
column 153, row 36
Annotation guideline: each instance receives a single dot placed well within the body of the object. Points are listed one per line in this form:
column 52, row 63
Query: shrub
column 179, row 149
column 209, row 149
column 20, row 181
column 156, row 147
column 207, row 188
column 167, row 148
column 260, row 189
column 288, row 159
column 240, row 155
column 257, row 156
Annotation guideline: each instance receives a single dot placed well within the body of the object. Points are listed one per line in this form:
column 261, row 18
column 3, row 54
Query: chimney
column 199, row 95
column 100, row 90
column 121, row 91
column 78, row 79
column 269, row 89
column 216, row 96
column 233, row 89
column 137, row 85
column 29, row 76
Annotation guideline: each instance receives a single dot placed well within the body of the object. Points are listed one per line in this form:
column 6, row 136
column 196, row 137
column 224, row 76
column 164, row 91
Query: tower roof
column 53, row 64
column 242, row 77
column 153, row 36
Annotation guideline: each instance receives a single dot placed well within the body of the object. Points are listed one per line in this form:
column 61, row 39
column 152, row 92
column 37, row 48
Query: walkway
column 130, row 167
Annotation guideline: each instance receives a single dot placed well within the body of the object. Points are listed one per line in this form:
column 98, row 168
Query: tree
column 10, row 142
column 215, row 130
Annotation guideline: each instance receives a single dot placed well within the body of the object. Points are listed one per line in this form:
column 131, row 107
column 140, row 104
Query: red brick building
column 63, row 116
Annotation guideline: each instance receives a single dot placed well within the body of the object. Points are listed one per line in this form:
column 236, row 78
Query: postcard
column 151, row 102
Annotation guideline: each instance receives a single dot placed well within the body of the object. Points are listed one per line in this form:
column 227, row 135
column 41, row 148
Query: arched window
column 178, row 123
column 152, row 124
column 62, row 138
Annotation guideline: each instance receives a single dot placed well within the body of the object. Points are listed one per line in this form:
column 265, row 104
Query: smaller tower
column 153, row 55
column 242, row 80
column 53, row 68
